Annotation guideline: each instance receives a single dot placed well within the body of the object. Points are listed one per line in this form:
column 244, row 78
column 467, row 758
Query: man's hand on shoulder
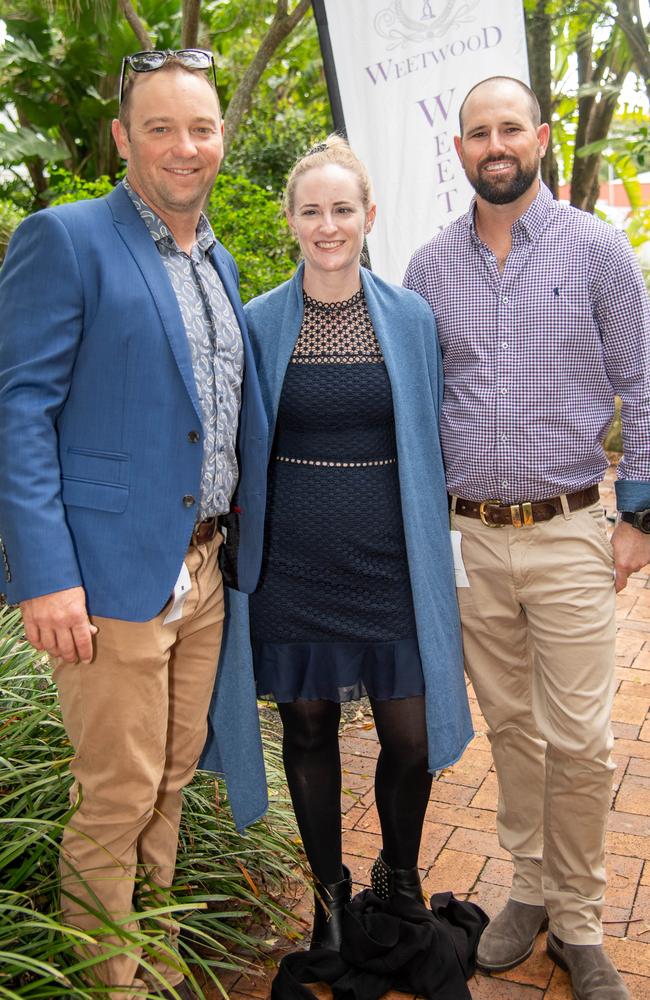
column 58, row 623
column 631, row 551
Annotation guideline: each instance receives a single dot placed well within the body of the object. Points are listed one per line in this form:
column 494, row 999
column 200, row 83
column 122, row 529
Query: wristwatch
column 640, row 519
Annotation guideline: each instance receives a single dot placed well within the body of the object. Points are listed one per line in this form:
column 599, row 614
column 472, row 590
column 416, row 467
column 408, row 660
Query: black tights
column 313, row 766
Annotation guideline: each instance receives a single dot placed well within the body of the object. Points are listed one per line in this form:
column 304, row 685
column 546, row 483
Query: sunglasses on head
column 152, row 59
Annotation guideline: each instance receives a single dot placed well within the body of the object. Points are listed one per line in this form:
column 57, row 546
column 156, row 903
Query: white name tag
column 459, row 565
column 181, row 590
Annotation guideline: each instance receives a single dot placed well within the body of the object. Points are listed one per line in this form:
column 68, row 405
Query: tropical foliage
column 224, row 882
column 59, row 71
column 59, row 68
column 246, row 217
column 581, row 55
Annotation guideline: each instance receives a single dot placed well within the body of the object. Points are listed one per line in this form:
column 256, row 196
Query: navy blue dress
column 333, row 614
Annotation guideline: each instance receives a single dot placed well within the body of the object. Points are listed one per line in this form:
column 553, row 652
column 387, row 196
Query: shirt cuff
column 632, row 495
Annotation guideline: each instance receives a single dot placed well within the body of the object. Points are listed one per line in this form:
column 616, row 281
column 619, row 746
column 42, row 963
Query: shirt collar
column 531, row 223
column 160, row 232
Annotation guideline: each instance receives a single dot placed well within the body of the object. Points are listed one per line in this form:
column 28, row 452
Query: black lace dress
column 333, row 615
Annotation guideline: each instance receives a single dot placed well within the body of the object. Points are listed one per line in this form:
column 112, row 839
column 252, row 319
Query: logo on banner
column 405, row 21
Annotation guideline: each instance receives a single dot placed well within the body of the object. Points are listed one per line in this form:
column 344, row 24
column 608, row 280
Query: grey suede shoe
column 509, row 939
column 593, row 977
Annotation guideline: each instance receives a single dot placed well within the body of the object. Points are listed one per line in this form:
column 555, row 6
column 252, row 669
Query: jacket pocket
column 96, row 466
column 98, row 496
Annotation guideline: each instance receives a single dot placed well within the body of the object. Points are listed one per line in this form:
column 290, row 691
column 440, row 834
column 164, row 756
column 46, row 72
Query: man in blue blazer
column 130, row 412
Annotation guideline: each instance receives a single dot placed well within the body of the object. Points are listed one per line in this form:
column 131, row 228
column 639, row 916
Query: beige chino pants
column 538, row 635
column 137, row 719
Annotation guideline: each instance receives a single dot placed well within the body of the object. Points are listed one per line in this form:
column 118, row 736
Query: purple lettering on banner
column 434, row 56
column 430, row 108
column 445, row 171
column 380, row 69
column 499, row 33
column 389, row 71
column 447, row 196
column 442, row 143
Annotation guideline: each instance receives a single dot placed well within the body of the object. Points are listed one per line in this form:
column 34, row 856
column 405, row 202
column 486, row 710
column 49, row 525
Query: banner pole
column 331, row 79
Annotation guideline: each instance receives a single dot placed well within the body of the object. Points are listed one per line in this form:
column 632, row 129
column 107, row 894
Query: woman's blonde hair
column 334, row 149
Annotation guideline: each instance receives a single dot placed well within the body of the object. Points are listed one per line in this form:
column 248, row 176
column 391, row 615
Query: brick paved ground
column 460, row 849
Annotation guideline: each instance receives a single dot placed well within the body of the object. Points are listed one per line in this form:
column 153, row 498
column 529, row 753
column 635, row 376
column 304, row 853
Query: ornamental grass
column 227, row 887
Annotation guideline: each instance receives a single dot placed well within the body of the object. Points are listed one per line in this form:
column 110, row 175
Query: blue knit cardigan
column 405, row 329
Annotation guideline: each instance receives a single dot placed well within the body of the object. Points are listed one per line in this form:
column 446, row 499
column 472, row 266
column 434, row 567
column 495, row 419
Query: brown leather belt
column 521, row 515
column 204, row 531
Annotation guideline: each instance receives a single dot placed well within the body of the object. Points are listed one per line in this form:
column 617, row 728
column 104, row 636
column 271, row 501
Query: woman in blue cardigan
column 357, row 587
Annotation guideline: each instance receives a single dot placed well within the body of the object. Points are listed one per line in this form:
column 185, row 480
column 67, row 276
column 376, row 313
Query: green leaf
column 24, row 144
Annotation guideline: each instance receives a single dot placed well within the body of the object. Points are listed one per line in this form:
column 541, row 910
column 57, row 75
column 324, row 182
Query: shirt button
column 504, row 437
column 504, row 482
column 505, row 345
column 188, row 500
column 504, row 391
column 504, row 298
column 193, row 436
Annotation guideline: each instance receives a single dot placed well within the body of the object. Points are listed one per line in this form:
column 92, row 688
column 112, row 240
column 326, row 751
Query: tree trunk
column 629, row 20
column 35, row 166
column 107, row 158
column 136, row 24
column 282, row 25
column 538, row 37
column 580, row 184
column 595, row 116
column 190, row 30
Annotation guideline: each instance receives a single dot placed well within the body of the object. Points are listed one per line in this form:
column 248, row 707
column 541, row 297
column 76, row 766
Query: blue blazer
column 97, row 399
column 97, row 402
column 405, row 329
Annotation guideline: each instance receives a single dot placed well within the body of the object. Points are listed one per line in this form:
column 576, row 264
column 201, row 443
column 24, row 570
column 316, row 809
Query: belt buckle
column 517, row 510
column 528, row 514
column 482, row 514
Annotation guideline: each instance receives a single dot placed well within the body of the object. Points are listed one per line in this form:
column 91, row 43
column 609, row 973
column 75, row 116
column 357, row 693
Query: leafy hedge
column 224, row 883
column 246, row 218
column 249, row 222
column 10, row 216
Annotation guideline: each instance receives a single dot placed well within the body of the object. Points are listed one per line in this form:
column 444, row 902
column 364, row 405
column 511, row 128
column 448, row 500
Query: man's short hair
column 533, row 103
column 171, row 64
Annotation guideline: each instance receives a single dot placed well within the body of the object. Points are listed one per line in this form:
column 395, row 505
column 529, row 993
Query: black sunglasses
column 152, row 59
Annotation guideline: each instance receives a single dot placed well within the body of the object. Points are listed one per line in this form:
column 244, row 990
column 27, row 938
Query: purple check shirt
column 533, row 356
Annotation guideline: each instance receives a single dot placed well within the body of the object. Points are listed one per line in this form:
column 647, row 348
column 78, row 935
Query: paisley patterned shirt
column 216, row 349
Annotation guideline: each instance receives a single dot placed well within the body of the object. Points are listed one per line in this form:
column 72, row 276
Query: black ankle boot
column 328, row 923
column 386, row 882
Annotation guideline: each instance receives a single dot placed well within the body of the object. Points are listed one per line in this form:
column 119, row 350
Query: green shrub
column 249, row 222
column 246, row 218
column 66, row 187
column 224, row 883
column 10, row 216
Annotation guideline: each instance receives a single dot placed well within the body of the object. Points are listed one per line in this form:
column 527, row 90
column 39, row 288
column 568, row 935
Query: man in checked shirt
column 542, row 317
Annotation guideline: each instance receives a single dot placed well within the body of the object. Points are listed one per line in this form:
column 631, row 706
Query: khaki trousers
column 538, row 635
column 137, row 719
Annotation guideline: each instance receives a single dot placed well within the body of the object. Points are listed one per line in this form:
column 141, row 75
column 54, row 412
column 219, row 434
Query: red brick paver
column 460, row 850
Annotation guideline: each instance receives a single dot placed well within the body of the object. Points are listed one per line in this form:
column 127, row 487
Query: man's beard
column 498, row 192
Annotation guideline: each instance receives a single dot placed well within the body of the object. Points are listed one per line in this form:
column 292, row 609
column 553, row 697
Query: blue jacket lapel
column 136, row 237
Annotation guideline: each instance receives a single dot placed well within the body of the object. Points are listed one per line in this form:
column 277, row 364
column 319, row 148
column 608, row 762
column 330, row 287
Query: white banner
column 403, row 69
